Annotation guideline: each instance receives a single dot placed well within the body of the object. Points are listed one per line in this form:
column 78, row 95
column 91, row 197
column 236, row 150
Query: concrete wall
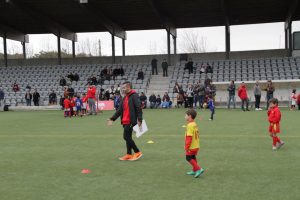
column 147, row 58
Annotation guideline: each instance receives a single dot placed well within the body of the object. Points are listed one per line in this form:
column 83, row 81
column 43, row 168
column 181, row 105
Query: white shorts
column 67, row 109
column 293, row 102
column 74, row 109
column 84, row 106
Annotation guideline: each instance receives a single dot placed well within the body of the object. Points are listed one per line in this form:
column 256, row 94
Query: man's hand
column 139, row 123
column 109, row 122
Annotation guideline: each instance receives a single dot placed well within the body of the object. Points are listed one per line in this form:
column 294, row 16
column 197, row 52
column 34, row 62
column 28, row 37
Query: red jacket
column 298, row 99
column 126, row 111
column 67, row 103
column 242, row 92
column 91, row 93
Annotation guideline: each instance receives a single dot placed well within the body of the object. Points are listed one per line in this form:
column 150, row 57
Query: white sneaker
column 259, row 109
column 209, row 119
column 279, row 145
column 274, row 148
column 256, row 109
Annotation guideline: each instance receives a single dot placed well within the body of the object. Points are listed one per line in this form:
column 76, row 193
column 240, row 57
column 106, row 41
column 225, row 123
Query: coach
column 91, row 97
column 131, row 114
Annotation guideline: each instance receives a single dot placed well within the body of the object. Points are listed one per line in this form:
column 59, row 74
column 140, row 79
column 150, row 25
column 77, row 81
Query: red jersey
column 274, row 117
column 67, row 104
column 242, row 92
column 91, row 93
column 72, row 104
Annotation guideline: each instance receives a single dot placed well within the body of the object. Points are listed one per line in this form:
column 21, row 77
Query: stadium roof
column 70, row 16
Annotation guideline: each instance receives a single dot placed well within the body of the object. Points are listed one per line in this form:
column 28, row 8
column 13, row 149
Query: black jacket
column 136, row 112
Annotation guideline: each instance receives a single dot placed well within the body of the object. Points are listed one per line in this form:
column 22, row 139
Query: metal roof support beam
column 24, row 50
column 111, row 26
column 113, row 53
column 288, row 26
column 175, row 44
column 169, row 47
column 73, row 49
column 166, row 22
column 123, row 47
column 5, row 50
column 44, row 21
column 58, row 50
column 227, row 27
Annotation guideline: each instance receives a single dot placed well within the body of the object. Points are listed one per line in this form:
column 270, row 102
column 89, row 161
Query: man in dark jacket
column 62, row 82
column 154, row 66
column 152, row 100
column 231, row 94
column 164, row 66
column 131, row 114
column 36, row 98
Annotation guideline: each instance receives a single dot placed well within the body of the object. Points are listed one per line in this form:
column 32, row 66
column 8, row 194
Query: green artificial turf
column 42, row 155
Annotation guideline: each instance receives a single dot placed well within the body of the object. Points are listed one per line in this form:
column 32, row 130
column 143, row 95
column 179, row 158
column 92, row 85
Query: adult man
column 62, row 82
column 152, row 100
column 189, row 66
column 1, row 97
column 36, row 98
column 154, row 66
column 52, row 98
column 131, row 114
column 140, row 75
column 165, row 68
column 257, row 95
column 231, row 94
column 91, row 98
column 270, row 92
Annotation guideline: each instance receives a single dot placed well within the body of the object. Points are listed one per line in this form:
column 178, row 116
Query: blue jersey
column 78, row 103
column 211, row 104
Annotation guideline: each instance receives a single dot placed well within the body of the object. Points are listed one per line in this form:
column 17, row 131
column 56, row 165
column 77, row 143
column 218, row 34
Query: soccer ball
column 205, row 105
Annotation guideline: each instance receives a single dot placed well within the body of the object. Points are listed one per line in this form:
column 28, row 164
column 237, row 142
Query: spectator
column 209, row 69
column 166, row 101
column 2, row 94
column 104, row 72
column 298, row 101
column 152, row 100
column 165, row 68
column 202, row 69
column 190, row 96
column 196, row 94
column 52, row 98
column 116, row 72
column 107, row 94
column 76, row 77
column 28, row 98
column 28, row 88
column 143, row 99
column 122, row 71
column 66, row 92
column 189, row 66
column 293, row 100
column 36, row 98
column 140, row 75
column 109, row 74
column 16, row 87
column 201, row 94
column 186, row 102
column 158, row 101
column 71, row 77
column 71, row 92
column 177, row 88
column 117, row 100
column 231, row 94
column 257, row 95
column 112, row 91
column 154, row 66
column 62, row 82
column 93, row 80
column 270, row 92
column 180, row 100
column 242, row 92
column 101, row 95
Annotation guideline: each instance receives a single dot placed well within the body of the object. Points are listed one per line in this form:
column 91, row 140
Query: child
column 73, row 106
column 298, row 101
column 192, row 143
column 79, row 105
column 67, row 105
column 117, row 100
column 211, row 107
column 293, row 99
column 83, row 104
column 274, row 117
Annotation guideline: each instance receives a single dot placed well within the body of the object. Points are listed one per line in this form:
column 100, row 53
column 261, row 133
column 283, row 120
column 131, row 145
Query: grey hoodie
column 257, row 90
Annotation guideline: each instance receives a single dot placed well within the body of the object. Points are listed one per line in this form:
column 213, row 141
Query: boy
column 79, row 105
column 274, row 117
column 83, row 104
column 192, row 143
column 293, row 100
column 67, row 105
column 211, row 107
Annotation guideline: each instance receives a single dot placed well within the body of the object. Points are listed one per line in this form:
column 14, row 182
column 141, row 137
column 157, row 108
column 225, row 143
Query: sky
column 212, row 39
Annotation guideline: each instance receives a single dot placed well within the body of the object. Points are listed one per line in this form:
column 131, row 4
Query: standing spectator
column 257, row 95
column 201, row 94
column 165, row 68
column 298, row 101
column 152, row 100
column 242, row 92
column 16, row 87
column 52, row 98
column 270, row 92
column 91, row 98
column 143, row 100
column 231, row 94
column 158, row 101
column 190, row 96
column 28, row 98
column 154, row 66
column 122, row 71
column 189, row 66
column 140, row 75
column 71, row 77
column 104, row 72
column 2, row 94
column 196, row 94
column 62, row 82
column 116, row 72
column 28, row 88
column 293, row 100
column 177, row 88
column 76, row 77
column 166, row 101
column 109, row 74
column 36, row 98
